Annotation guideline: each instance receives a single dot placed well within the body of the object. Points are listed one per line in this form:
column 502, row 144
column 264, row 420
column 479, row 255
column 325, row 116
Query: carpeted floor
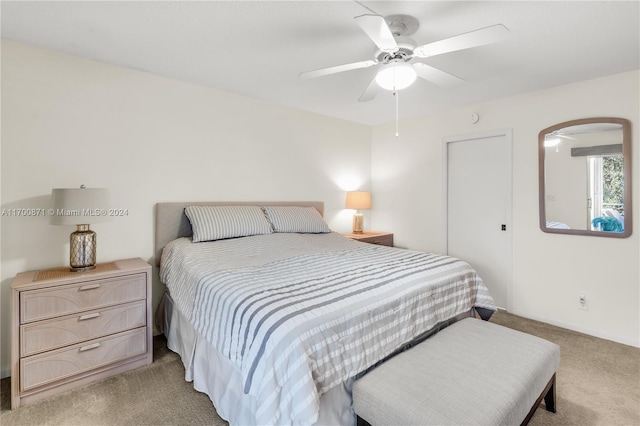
column 598, row 384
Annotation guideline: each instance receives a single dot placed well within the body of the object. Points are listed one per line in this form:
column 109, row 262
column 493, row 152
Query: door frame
column 508, row 134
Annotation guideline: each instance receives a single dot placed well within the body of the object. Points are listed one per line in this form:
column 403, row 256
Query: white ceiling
column 259, row 48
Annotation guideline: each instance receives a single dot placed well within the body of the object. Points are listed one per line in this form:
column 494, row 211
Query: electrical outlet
column 583, row 304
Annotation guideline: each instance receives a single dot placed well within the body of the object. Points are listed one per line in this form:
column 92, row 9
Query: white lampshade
column 358, row 200
column 396, row 76
column 79, row 206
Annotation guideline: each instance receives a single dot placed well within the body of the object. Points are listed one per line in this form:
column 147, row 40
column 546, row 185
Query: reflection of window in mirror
column 606, row 188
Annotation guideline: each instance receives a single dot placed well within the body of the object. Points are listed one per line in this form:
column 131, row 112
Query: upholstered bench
column 471, row 373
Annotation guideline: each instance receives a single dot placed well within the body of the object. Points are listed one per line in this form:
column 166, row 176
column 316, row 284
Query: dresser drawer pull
column 89, row 316
column 89, row 287
column 89, row 347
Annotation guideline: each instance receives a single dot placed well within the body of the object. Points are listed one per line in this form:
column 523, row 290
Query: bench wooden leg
column 361, row 422
column 549, row 396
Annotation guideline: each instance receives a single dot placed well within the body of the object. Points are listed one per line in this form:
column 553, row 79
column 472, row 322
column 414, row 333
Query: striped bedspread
column 299, row 314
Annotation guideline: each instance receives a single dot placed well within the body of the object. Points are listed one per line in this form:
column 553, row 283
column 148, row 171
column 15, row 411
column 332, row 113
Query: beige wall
column 550, row 271
column 68, row 121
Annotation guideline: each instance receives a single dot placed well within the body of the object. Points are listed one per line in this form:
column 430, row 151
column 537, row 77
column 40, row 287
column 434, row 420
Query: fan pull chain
column 395, row 93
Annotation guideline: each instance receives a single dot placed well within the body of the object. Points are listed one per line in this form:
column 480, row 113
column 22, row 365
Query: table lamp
column 359, row 201
column 81, row 207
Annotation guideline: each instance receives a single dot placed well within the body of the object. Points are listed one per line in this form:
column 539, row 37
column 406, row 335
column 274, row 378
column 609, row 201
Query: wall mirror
column 585, row 177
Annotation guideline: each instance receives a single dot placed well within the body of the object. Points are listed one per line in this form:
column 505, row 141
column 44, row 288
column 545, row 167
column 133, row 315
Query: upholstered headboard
column 172, row 223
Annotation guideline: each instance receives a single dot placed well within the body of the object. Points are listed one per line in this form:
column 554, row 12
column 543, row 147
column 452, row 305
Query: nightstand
column 72, row 328
column 380, row 238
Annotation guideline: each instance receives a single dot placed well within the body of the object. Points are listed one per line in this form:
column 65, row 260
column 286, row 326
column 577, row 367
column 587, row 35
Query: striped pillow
column 304, row 220
column 210, row 223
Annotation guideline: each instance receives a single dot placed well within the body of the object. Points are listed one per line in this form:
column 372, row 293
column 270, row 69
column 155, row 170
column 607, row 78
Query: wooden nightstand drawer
column 379, row 238
column 39, row 370
column 51, row 334
column 53, row 302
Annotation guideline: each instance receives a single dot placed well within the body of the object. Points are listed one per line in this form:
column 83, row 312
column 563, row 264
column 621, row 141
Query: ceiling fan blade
column 337, row 69
column 436, row 76
column 370, row 92
column 488, row 35
column 377, row 29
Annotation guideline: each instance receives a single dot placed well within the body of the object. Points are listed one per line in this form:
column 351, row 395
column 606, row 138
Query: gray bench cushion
column 472, row 372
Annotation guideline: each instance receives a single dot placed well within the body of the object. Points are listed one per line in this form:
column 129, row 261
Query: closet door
column 478, row 192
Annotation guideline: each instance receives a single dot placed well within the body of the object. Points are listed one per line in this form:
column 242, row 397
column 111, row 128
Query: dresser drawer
column 45, row 368
column 68, row 299
column 55, row 333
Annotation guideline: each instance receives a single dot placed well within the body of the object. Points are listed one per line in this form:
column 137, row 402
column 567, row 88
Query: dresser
column 72, row 328
column 380, row 238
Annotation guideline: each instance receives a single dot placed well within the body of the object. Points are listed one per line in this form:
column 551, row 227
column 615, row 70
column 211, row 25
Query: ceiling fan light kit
column 396, row 76
column 550, row 142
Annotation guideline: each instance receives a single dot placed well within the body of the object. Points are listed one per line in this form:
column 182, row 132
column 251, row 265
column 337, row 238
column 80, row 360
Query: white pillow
column 210, row 223
column 304, row 220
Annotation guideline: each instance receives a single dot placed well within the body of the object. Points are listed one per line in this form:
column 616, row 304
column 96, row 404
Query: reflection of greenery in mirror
column 606, row 188
column 585, row 177
column 610, row 170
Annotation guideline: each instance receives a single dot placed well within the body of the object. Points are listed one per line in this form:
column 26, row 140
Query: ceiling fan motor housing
column 404, row 52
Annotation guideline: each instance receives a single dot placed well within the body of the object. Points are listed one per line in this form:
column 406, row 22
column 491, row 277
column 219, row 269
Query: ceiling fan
column 554, row 138
column 398, row 56
column 559, row 134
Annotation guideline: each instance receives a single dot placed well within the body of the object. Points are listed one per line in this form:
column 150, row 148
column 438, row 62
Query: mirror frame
column 626, row 164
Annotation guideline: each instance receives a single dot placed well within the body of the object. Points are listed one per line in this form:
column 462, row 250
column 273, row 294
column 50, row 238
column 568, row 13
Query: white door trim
column 508, row 134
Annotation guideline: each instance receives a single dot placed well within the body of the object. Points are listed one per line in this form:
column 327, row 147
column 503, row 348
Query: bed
column 274, row 322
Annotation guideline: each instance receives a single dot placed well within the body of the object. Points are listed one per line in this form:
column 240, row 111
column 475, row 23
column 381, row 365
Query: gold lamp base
column 358, row 222
column 82, row 256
